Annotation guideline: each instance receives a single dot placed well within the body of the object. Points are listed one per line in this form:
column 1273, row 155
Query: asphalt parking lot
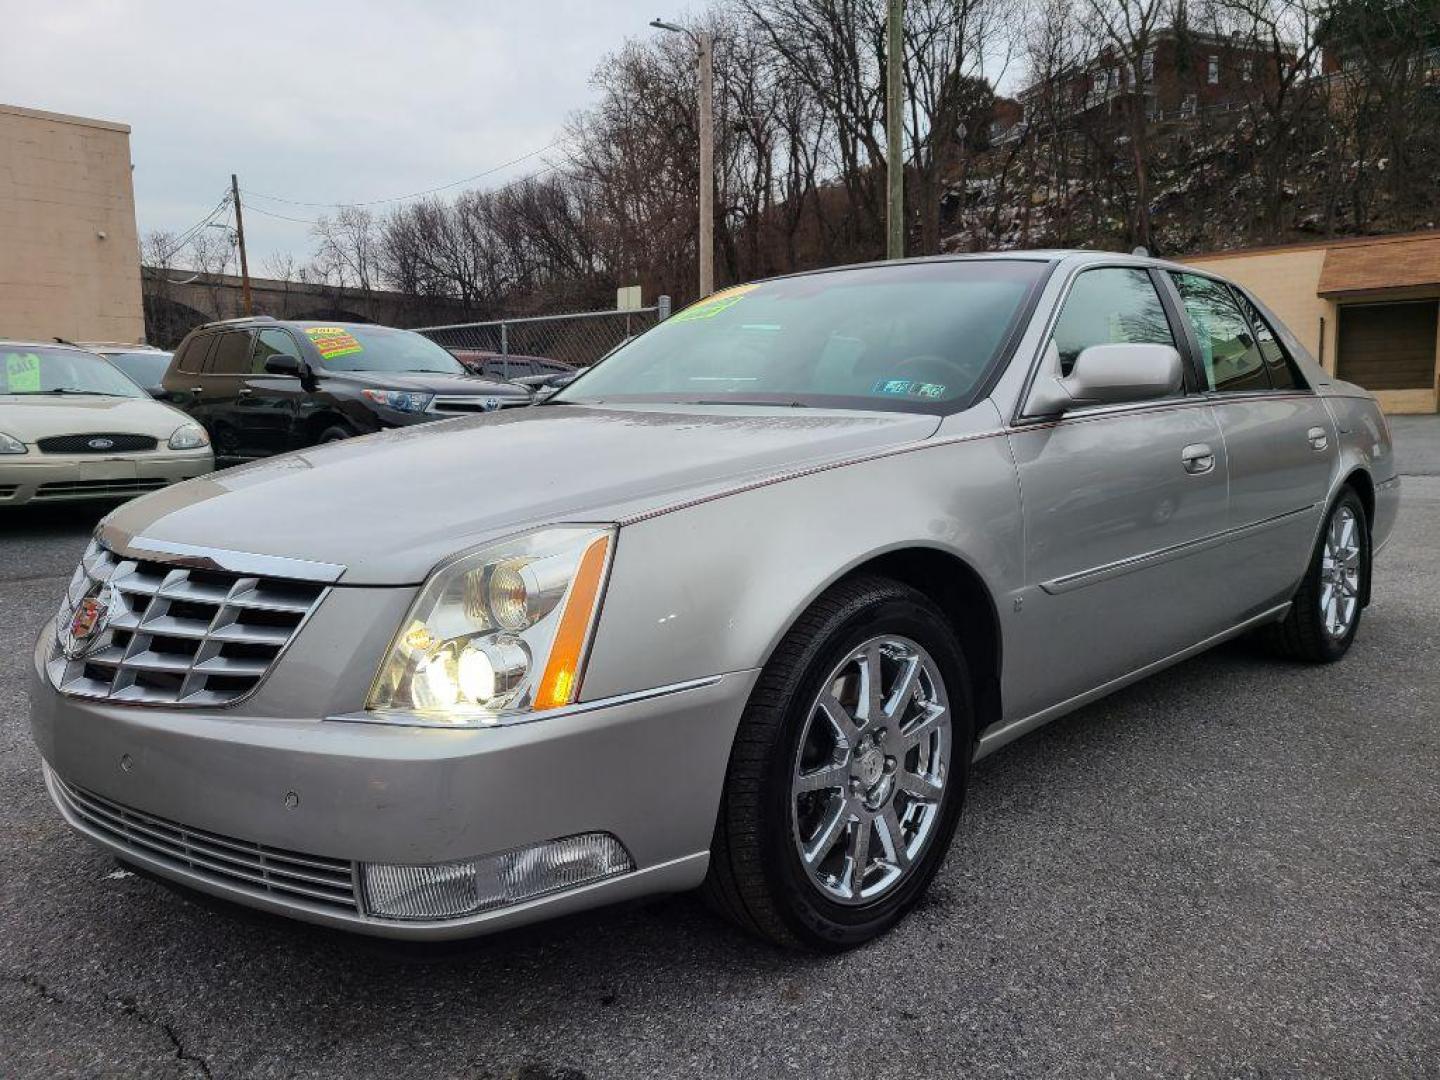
column 1230, row 870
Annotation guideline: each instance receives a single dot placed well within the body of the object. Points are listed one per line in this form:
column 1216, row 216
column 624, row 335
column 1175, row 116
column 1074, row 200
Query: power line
column 413, row 194
column 549, row 168
column 185, row 237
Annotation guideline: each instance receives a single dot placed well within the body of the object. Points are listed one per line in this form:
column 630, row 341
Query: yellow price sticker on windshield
column 714, row 304
column 22, row 373
column 333, row 341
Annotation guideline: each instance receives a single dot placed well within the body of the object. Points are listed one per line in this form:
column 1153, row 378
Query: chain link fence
column 578, row 339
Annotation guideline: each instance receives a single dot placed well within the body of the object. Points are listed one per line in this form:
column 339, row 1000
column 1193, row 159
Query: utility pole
column 707, row 166
column 705, row 43
column 240, row 237
column 894, row 131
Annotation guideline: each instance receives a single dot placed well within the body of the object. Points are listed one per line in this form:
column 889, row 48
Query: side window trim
column 1251, row 310
column 1018, row 418
column 1181, row 330
column 1194, row 341
column 215, row 351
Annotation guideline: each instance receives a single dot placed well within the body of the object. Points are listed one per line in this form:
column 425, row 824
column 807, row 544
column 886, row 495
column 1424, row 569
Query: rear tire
column 335, row 433
column 892, row 771
column 1325, row 614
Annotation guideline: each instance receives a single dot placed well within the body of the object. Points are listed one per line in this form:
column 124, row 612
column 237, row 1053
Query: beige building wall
column 69, row 249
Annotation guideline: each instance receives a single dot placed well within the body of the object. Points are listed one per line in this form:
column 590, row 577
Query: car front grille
column 7, row 490
column 256, row 868
column 100, row 442
column 169, row 634
column 466, row 405
column 99, row 489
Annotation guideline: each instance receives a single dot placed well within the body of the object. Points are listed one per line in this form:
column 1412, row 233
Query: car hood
column 30, row 417
column 390, row 506
column 431, row 382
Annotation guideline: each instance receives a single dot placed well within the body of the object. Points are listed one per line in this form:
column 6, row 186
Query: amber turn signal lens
column 561, row 681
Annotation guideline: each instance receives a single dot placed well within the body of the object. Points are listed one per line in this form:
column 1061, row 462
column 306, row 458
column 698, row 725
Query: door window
column 1111, row 306
column 231, row 356
column 270, row 343
column 191, row 358
column 1229, row 354
column 1283, row 373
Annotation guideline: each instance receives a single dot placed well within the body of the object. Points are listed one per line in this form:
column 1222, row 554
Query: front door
column 1122, row 506
column 269, row 407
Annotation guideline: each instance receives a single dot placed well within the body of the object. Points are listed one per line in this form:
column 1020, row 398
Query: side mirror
column 284, row 364
column 1106, row 375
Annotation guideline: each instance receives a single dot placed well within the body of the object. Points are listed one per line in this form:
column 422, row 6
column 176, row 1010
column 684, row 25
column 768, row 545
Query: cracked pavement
column 1232, row 869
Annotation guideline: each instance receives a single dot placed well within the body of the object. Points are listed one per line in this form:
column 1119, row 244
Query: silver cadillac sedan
column 737, row 609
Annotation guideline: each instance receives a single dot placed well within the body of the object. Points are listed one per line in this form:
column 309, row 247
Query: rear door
column 1121, row 508
column 1279, row 438
column 223, row 391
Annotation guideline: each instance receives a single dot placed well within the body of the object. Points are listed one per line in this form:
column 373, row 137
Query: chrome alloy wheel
column 870, row 772
column 1340, row 573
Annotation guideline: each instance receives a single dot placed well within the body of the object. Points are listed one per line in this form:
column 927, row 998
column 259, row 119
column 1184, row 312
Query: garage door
column 1388, row 346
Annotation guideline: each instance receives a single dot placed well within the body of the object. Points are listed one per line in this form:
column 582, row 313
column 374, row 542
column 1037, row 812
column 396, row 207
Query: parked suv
column 262, row 386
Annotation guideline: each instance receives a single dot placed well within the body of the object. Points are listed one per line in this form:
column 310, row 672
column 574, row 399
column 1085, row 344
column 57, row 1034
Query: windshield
column 146, row 368
column 913, row 337
column 379, row 348
column 34, row 369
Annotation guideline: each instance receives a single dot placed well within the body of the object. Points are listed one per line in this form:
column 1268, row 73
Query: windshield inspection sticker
column 908, row 388
column 714, row 304
column 333, row 341
column 22, row 373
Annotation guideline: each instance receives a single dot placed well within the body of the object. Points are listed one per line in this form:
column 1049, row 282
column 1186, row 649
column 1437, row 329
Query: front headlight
column 189, row 437
column 400, row 400
column 498, row 632
column 10, row 445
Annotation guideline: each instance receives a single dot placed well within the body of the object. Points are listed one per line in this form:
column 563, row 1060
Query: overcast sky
column 315, row 100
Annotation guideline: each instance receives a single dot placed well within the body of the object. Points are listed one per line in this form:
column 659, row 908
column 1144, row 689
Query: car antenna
column 62, row 341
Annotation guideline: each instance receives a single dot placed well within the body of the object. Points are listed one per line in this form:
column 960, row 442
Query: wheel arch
column 961, row 593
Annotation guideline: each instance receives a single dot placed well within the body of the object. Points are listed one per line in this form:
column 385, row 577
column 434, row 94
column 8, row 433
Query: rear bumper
column 648, row 772
column 51, row 478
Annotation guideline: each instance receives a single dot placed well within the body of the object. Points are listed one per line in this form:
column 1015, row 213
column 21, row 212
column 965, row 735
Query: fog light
column 452, row 890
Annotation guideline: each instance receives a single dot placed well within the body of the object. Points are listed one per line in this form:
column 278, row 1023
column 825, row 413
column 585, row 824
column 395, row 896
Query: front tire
column 848, row 772
column 1325, row 614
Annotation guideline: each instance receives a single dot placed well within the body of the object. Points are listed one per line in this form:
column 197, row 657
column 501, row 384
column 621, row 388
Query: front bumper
column 646, row 769
column 46, row 478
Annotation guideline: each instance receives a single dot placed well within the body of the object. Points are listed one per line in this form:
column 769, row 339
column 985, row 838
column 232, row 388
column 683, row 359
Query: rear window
column 146, row 368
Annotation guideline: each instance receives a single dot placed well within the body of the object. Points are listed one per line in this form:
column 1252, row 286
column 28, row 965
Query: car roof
column 246, row 322
column 23, row 344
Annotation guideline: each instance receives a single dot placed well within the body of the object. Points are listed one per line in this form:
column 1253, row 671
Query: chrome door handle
column 196, row 389
column 245, row 391
column 1197, row 458
column 1318, row 439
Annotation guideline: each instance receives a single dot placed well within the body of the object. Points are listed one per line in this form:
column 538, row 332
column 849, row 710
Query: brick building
column 1181, row 74
column 69, row 249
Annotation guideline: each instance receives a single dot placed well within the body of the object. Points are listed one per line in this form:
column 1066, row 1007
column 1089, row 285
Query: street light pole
column 704, row 42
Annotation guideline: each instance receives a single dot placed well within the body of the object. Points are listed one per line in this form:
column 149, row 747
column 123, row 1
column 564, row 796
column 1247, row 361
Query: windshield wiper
column 748, row 401
column 66, row 390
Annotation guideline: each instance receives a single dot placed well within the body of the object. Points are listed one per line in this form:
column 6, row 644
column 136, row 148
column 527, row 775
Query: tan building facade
column 69, row 248
column 1368, row 309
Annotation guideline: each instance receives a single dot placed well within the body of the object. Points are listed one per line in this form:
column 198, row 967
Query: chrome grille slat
column 178, row 635
column 256, row 867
